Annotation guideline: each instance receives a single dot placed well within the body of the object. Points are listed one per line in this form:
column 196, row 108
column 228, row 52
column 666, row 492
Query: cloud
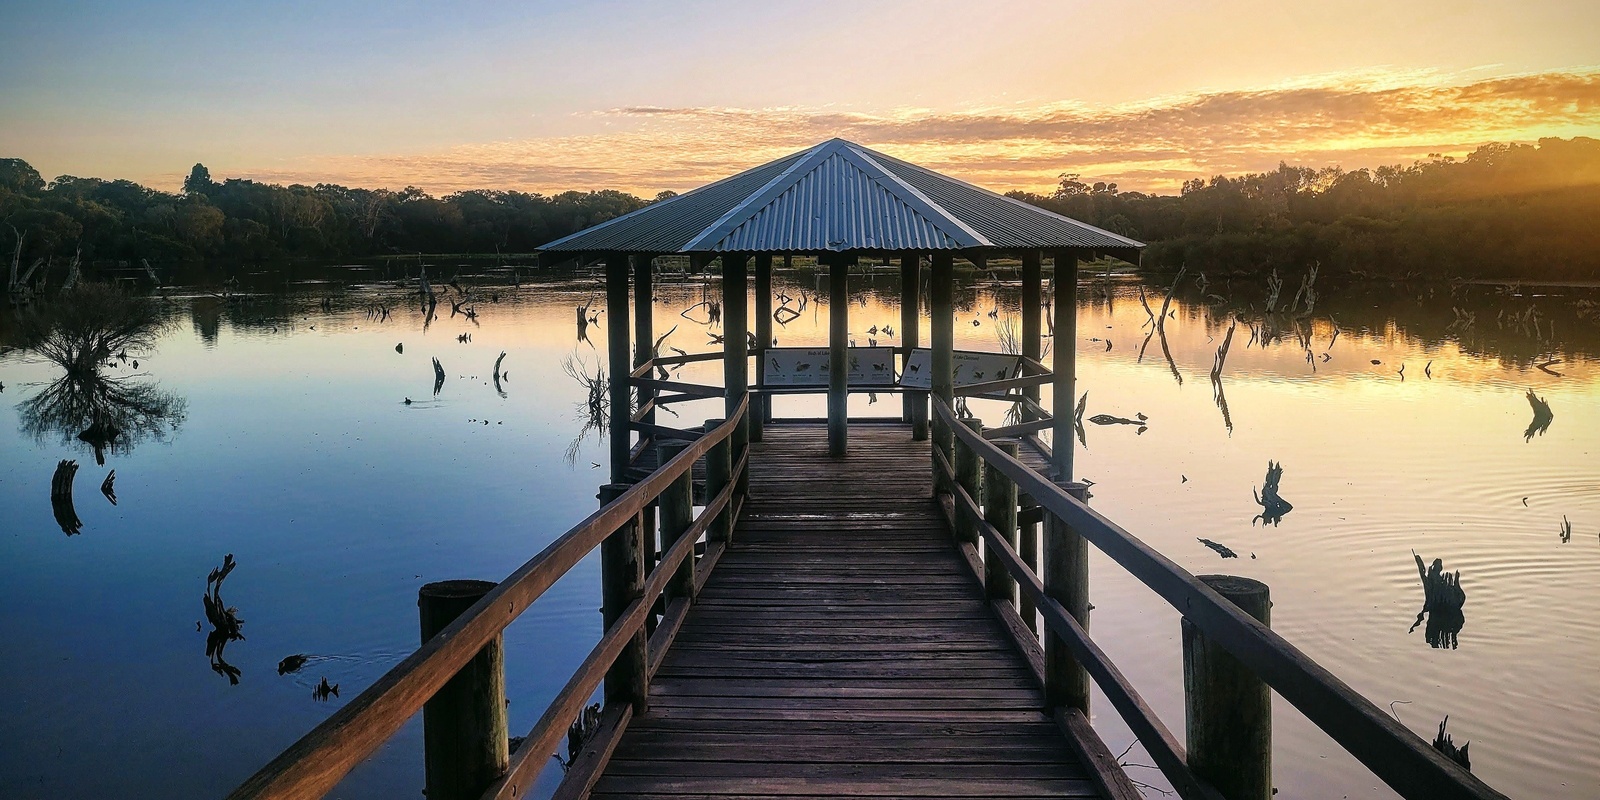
column 1152, row 145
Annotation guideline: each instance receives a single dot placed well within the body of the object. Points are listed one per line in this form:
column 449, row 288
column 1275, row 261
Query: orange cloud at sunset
column 1352, row 121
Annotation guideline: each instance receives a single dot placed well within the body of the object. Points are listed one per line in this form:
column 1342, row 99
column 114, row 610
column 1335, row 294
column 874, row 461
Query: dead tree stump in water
column 1273, row 507
column 1443, row 599
column 61, row 498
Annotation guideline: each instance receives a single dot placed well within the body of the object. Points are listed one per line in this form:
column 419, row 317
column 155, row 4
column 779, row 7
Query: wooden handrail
column 1392, row 751
column 696, row 389
column 317, row 762
column 992, row 387
column 1142, row 720
column 687, row 359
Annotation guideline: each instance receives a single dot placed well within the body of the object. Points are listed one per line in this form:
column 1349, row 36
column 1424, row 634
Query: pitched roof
column 840, row 197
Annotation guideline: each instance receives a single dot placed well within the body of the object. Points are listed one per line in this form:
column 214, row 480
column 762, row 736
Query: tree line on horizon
column 1505, row 211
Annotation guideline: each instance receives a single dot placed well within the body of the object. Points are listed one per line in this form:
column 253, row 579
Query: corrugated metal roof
column 840, row 197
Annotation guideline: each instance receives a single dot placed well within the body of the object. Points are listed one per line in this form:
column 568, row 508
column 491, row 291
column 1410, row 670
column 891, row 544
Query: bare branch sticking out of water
column 1542, row 417
column 108, row 488
column 225, row 622
column 1273, row 507
column 1221, row 549
column 438, row 377
column 1442, row 601
column 1566, row 530
column 1443, row 744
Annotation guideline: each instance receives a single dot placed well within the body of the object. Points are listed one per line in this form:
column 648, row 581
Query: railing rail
column 1393, row 752
column 317, row 762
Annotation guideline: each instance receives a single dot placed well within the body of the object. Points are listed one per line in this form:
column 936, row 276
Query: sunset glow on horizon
column 644, row 97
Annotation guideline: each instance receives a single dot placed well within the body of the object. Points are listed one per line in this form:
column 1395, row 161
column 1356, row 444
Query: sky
column 646, row 95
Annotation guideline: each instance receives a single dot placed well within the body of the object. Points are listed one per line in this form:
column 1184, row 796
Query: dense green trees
column 242, row 219
column 1505, row 211
column 1512, row 211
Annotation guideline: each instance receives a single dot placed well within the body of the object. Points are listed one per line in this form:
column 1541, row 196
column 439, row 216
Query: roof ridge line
column 1012, row 200
column 725, row 224
column 917, row 197
column 653, row 205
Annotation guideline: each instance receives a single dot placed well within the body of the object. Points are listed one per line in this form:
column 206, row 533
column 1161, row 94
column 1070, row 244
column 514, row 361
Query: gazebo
column 836, row 202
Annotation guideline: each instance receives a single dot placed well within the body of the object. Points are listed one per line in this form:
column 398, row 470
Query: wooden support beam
column 1065, row 304
column 677, row 514
column 761, row 413
column 1000, row 511
column 644, row 332
column 1032, row 315
column 719, row 473
column 465, row 743
column 969, row 476
column 1066, row 581
column 838, row 359
column 914, row 404
column 736, row 350
column 622, row 585
column 941, row 295
column 1229, row 709
column 618, row 366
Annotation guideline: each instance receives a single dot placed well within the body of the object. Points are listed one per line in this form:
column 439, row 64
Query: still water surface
column 284, row 440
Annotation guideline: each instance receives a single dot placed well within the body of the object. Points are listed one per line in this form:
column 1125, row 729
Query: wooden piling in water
column 1032, row 314
column 465, row 742
column 736, row 350
column 617, row 363
column 1065, row 307
column 1066, row 580
column 621, row 583
column 1000, row 510
column 1229, row 708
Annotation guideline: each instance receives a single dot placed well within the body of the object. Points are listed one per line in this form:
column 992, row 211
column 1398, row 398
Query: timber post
column 621, row 583
column 838, row 359
column 736, row 351
column 915, row 404
column 465, row 742
column 761, row 405
column 1000, row 510
column 617, row 356
column 969, row 476
column 677, row 514
column 644, row 339
column 1066, row 580
column 1028, row 550
column 1032, row 314
column 719, row 473
column 1065, row 305
column 1228, row 708
column 941, row 295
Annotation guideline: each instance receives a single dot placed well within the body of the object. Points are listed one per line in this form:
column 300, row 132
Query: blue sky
column 537, row 93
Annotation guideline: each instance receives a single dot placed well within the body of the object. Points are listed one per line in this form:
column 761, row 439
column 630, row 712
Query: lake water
column 282, row 437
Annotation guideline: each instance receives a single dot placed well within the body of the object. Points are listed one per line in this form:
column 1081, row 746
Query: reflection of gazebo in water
column 837, row 201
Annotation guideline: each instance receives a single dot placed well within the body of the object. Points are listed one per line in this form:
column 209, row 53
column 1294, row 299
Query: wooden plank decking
column 842, row 648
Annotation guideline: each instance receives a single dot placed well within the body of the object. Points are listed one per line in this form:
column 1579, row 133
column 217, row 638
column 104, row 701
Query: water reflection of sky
column 338, row 501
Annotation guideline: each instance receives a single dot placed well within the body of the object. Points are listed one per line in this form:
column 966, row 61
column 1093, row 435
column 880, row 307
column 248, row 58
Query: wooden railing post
column 621, row 583
column 1028, row 549
column 465, row 744
column 917, row 402
column 719, row 472
column 1229, row 709
column 969, row 476
column 741, row 447
column 677, row 514
column 1066, row 580
column 1000, row 510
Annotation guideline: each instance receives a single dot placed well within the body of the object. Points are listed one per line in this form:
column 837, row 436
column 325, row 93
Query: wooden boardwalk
column 842, row 648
